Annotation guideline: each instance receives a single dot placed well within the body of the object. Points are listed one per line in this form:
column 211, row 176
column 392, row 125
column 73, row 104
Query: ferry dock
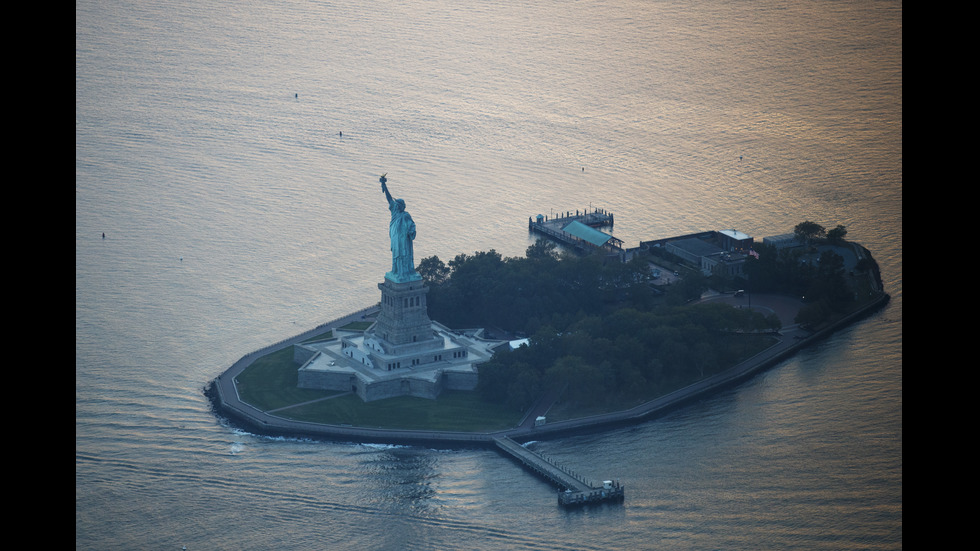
column 573, row 490
column 578, row 231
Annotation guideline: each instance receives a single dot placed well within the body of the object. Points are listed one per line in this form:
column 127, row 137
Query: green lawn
column 357, row 325
column 452, row 411
column 270, row 383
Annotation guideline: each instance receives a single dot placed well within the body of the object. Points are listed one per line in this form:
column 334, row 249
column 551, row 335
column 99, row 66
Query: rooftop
column 352, row 353
column 586, row 233
column 734, row 234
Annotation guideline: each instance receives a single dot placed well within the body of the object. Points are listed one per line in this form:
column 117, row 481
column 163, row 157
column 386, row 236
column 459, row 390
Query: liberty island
column 393, row 349
column 403, row 353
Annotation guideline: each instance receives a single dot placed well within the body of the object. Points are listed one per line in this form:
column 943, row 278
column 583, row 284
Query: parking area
column 662, row 274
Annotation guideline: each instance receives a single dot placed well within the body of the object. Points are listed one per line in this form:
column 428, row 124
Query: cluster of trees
column 598, row 331
column 522, row 294
column 807, row 232
column 601, row 334
column 792, row 272
column 821, row 280
column 625, row 356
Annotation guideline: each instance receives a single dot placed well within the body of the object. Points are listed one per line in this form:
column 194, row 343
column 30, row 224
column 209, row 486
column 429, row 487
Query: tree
column 542, row 249
column 583, row 382
column 807, row 231
column 688, row 288
column 525, row 387
column 837, row 234
column 433, row 271
column 828, row 283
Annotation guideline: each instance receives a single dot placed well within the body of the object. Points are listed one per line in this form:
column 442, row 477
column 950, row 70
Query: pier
column 573, row 489
column 578, row 231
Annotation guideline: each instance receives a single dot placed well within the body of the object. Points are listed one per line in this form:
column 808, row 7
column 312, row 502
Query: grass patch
column 452, row 411
column 271, row 383
column 357, row 326
column 326, row 335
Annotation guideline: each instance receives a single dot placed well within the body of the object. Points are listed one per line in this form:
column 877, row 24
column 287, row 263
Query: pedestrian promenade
column 227, row 401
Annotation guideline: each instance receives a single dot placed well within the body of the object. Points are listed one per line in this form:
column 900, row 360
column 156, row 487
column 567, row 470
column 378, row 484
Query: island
column 563, row 341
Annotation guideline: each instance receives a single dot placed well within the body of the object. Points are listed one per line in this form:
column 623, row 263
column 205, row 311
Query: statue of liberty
column 401, row 229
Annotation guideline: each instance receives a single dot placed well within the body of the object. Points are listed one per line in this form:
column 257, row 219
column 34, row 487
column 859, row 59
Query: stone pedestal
column 404, row 324
column 403, row 353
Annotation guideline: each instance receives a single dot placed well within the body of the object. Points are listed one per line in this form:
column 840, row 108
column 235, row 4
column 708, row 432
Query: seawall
column 225, row 400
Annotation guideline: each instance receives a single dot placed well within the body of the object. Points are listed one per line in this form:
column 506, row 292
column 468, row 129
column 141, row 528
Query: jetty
column 573, row 490
column 578, row 230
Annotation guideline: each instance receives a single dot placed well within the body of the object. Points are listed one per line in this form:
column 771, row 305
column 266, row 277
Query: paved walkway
column 784, row 307
column 792, row 338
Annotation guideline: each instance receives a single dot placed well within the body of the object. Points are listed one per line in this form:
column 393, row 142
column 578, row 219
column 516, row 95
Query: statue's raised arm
column 384, row 188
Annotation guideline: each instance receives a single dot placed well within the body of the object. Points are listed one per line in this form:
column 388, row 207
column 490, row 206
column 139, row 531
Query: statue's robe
column 402, row 233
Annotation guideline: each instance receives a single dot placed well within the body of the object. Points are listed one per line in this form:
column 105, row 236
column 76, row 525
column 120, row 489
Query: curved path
column 224, row 395
column 785, row 307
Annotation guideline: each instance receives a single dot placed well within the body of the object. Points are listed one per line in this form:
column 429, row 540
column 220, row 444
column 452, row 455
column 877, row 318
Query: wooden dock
column 573, row 490
column 572, row 230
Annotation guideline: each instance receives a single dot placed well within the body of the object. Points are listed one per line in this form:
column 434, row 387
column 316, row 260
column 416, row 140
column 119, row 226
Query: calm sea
column 209, row 153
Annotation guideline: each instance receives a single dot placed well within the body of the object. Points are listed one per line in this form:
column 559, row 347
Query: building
column 734, row 240
column 403, row 353
column 720, row 253
column 784, row 241
column 587, row 236
column 579, row 231
column 723, row 263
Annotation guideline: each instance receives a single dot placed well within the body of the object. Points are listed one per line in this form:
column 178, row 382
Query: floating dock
column 573, row 490
column 578, row 231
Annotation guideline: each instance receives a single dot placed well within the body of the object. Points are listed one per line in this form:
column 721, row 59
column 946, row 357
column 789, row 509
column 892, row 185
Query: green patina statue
column 401, row 229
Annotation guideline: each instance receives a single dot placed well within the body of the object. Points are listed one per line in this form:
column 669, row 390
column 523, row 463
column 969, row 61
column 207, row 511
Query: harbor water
column 227, row 157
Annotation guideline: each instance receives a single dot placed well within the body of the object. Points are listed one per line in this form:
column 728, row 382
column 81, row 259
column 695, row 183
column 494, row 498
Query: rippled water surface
column 209, row 152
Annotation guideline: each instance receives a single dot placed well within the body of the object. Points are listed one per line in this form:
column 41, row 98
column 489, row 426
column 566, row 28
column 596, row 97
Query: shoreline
column 224, row 400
